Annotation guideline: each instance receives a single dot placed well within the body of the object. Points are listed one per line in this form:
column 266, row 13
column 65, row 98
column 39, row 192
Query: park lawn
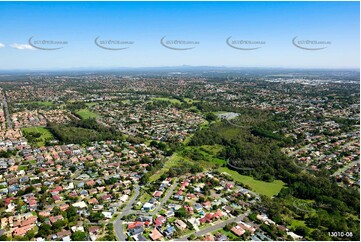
column 208, row 155
column 91, row 104
column 38, row 104
column 172, row 100
column 86, row 113
column 265, row 188
column 190, row 101
column 46, row 104
column 45, row 134
column 213, row 149
column 296, row 223
column 218, row 161
column 230, row 132
column 220, row 112
column 211, row 163
column 172, row 161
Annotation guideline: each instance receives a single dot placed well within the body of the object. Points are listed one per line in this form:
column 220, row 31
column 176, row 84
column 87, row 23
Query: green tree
column 44, row 230
column 181, row 213
column 211, row 117
column 79, row 236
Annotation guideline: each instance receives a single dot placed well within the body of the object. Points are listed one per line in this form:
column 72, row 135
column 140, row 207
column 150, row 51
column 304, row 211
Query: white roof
column 107, row 214
column 66, row 238
column 81, row 204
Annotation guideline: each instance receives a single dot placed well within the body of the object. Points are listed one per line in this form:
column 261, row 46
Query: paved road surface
column 118, row 224
column 345, row 168
column 166, row 197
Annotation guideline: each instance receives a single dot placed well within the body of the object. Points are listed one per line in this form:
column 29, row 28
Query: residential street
column 345, row 168
column 166, row 197
column 118, row 224
column 216, row 226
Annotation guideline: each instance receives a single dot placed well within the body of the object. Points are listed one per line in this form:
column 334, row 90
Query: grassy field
column 230, row 133
column 190, row 101
column 86, row 113
column 39, row 104
column 220, row 112
column 172, row 100
column 45, row 134
column 266, row 188
column 46, row 104
column 208, row 161
column 208, row 153
column 174, row 160
column 91, row 104
column 186, row 141
column 295, row 223
column 300, row 223
column 212, row 149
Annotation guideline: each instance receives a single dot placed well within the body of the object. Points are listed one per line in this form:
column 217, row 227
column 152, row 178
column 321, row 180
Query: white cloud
column 22, row 46
column 2, row 45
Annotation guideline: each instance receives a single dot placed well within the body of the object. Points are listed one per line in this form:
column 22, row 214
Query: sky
column 273, row 25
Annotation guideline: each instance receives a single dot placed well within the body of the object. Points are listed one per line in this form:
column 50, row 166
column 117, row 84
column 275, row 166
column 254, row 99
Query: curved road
column 118, row 224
